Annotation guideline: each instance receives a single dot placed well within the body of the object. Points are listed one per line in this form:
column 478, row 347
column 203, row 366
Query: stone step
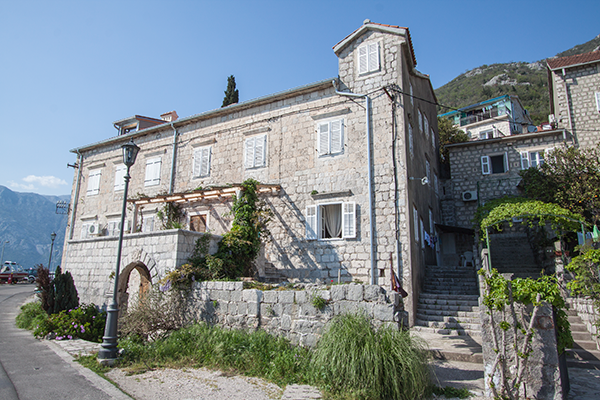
column 448, row 325
column 453, row 297
column 584, row 355
column 575, row 327
column 447, row 318
column 584, row 344
column 442, row 292
column 447, row 331
column 448, row 308
column 449, row 313
column 583, row 364
column 447, row 302
column 577, row 336
column 439, row 283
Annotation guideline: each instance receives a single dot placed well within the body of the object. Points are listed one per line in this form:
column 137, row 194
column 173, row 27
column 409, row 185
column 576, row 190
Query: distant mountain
column 26, row 221
column 529, row 81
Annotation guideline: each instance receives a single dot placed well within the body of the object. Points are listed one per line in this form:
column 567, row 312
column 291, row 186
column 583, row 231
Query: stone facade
column 587, row 313
column 278, row 140
column 290, row 313
column 574, row 87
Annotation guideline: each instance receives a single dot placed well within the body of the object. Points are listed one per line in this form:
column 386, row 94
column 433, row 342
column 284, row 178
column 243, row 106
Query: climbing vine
column 238, row 248
column 586, row 269
column 513, row 326
column 170, row 215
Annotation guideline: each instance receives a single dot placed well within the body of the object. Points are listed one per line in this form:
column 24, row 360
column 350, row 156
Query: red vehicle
column 12, row 272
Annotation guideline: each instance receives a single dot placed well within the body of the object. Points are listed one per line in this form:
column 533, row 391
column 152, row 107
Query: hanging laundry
column 596, row 234
column 580, row 238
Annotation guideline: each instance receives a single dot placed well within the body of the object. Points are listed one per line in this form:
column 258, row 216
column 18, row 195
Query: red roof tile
column 562, row 62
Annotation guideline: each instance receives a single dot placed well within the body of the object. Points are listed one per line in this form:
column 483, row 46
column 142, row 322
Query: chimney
column 171, row 116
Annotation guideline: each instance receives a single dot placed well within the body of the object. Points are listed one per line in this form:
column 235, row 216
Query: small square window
column 255, row 153
column 330, row 137
column 368, row 58
column 94, row 182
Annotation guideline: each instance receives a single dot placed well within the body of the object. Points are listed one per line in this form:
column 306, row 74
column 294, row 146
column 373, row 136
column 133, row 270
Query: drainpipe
column 172, row 178
column 76, row 197
column 368, row 124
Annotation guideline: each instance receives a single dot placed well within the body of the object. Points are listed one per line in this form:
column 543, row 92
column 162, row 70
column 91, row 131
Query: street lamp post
column 108, row 352
column 2, row 258
column 52, row 236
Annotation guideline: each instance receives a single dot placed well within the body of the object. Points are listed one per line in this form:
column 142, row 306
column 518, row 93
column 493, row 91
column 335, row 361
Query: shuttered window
column 494, row 164
column 331, row 221
column 410, row 140
column 120, row 172
column 255, row 151
column 202, row 162
column 524, row 160
column 368, row 58
column 598, row 101
column 311, row 222
column 349, row 220
column 93, row 187
column 152, row 171
column 330, row 137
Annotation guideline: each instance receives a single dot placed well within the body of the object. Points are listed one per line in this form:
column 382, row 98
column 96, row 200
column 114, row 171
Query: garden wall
column 290, row 312
column 585, row 310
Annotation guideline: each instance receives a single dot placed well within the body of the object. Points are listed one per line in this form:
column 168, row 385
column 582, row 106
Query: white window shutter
column 362, row 60
column 485, row 165
column 349, row 220
column 598, row 101
column 120, row 171
column 152, row 172
column 373, row 57
column 197, row 163
column 337, row 136
column 505, row 162
column 323, row 142
column 94, row 181
column 524, row 160
column 250, row 152
column 311, row 222
column 260, row 145
column 205, row 163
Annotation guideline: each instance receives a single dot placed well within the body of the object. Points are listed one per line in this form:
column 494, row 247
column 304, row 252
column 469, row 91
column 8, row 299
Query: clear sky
column 69, row 69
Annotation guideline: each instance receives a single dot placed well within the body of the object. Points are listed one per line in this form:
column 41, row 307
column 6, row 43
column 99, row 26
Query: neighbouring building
column 348, row 165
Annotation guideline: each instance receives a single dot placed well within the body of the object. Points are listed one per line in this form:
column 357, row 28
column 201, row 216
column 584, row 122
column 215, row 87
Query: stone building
column 574, row 84
column 348, row 165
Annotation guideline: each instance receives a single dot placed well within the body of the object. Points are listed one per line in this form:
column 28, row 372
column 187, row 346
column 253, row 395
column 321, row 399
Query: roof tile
column 562, row 62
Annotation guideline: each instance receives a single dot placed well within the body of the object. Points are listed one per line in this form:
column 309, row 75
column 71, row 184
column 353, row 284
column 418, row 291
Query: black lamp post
column 108, row 352
column 52, row 236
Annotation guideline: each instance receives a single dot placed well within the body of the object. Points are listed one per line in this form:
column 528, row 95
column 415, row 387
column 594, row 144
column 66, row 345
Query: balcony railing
column 482, row 116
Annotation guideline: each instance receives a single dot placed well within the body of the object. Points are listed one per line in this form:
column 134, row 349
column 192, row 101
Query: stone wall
column 586, row 311
column 290, row 313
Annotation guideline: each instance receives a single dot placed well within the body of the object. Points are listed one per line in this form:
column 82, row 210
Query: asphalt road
column 31, row 370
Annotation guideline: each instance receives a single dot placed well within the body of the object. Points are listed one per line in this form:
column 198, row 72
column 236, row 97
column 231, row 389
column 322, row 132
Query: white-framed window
column 410, row 139
column 330, row 137
column 420, row 121
column 93, row 187
column 422, row 233
column 487, row 134
column 416, row 223
column 597, row 94
column 410, row 87
column 495, row 164
column 428, row 171
column 148, row 223
column 436, row 184
column 114, row 227
column 120, row 171
column 331, row 221
column 426, row 125
column 368, row 58
column 255, row 151
column 532, row 159
column 202, row 162
column 152, row 171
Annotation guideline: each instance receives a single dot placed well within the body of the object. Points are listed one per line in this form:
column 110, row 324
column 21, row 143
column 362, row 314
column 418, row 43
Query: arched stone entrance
column 134, row 281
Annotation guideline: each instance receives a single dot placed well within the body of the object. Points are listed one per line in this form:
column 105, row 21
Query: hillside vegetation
column 529, row 81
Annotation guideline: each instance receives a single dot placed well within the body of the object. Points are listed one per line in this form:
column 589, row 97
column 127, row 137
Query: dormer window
column 368, row 58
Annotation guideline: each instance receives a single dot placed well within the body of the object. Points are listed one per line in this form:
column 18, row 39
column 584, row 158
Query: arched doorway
column 134, row 281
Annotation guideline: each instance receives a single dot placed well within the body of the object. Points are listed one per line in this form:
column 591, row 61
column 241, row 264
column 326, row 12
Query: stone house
column 348, row 165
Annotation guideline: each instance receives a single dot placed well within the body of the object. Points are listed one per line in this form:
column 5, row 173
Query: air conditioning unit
column 94, row 230
column 469, row 195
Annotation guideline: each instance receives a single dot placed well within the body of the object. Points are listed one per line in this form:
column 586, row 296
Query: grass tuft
column 31, row 315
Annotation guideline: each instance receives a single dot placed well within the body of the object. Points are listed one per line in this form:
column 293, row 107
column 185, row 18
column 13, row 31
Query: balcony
column 480, row 115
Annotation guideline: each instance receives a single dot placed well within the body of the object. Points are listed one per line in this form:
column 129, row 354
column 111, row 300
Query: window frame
column 205, row 158
column 366, row 63
column 410, row 140
column 597, row 95
column 487, row 166
column 94, row 177
column 252, row 162
column 153, row 169
column 313, row 218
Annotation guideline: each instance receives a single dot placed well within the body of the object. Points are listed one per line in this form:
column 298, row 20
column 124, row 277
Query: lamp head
column 53, row 236
column 130, row 151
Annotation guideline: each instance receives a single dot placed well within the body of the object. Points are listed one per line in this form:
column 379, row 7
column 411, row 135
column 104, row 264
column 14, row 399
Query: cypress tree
column 232, row 95
column 65, row 293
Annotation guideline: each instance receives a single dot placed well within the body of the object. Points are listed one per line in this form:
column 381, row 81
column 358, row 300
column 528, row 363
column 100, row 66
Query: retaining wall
column 291, row 313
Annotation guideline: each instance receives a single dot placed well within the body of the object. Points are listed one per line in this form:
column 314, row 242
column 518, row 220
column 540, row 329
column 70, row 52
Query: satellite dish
column 532, row 128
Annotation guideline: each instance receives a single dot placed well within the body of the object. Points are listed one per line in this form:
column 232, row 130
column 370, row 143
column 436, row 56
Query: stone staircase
column 449, row 303
column 585, row 353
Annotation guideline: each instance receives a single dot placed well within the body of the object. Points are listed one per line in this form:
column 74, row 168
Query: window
column 426, row 125
column 494, row 164
column 152, row 171
column 420, row 121
column 198, row 223
column 368, row 58
column 416, row 223
column 255, row 151
column 114, row 227
column 331, row 137
column 94, row 181
column 428, row 171
column 431, row 224
column 532, row 159
column 411, row 92
column 410, row 139
column 487, row 134
column 331, row 221
column 120, row 172
column 435, row 184
column 148, row 223
column 598, row 101
column 433, row 139
column 202, row 162
column 422, row 233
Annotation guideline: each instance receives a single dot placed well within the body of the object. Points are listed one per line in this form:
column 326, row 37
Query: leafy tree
column 232, row 95
column 45, row 288
column 65, row 294
column 448, row 134
column 569, row 177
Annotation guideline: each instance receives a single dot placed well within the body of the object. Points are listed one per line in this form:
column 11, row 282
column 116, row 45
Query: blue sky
column 69, row 69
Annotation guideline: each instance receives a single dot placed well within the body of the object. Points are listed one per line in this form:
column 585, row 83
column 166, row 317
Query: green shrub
column 354, row 359
column 31, row 315
column 45, row 288
column 65, row 294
